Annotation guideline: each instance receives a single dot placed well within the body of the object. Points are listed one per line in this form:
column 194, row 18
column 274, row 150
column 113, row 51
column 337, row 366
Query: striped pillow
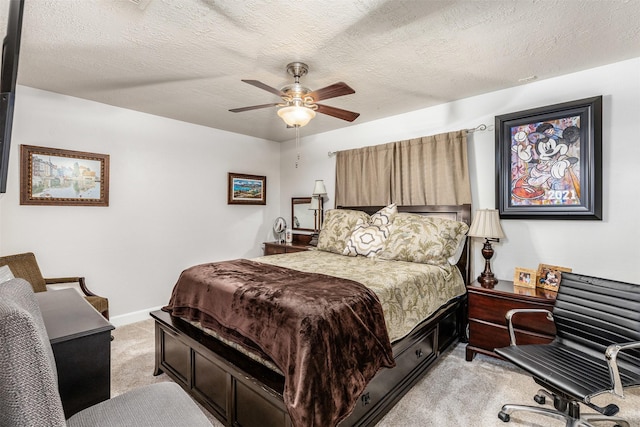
column 385, row 215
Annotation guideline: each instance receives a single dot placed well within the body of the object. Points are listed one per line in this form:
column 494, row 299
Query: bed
column 244, row 385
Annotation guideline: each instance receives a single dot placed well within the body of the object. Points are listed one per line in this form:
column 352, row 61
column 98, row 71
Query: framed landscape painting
column 51, row 176
column 246, row 189
column 549, row 162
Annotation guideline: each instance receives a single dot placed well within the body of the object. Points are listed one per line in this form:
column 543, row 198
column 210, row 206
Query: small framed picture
column 246, row 189
column 550, row 276
column 525, row 277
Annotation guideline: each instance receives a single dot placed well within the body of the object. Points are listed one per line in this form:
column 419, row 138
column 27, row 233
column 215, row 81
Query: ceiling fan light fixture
column 296, row 115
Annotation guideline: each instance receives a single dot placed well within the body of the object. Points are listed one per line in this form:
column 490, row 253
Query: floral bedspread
column 409, row 292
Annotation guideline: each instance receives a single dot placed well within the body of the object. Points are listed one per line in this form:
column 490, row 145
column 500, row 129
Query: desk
column 81, row 342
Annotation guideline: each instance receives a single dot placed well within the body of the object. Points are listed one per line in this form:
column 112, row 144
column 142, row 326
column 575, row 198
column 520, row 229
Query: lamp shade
column 319, row 189
column 296, row 115
column 486, row 224
column 314, row 205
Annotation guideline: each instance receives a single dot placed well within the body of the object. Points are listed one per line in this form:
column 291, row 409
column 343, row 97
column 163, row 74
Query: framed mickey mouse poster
column 549, row 162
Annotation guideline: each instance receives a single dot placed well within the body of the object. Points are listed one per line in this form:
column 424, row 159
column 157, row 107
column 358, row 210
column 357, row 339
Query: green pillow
column 337, row 228
column 423, row 239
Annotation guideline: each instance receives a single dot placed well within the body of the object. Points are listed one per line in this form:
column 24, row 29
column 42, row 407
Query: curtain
column 363, row 176
column 431, row 170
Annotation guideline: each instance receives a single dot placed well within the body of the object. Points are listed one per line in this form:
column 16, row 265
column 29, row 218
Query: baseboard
column 136, row 316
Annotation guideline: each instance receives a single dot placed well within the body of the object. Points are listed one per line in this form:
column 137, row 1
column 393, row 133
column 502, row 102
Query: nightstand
column 274, row 248
column 487, row 310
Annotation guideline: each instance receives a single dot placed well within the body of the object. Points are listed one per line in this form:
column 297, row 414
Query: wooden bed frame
column 241, row 392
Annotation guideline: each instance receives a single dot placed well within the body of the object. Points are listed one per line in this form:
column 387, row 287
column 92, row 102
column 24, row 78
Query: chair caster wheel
column 540, row 399
column 560, row 404
column 504, row 416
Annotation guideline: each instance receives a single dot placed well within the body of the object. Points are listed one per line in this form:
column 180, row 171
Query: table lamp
column 486, row 224
column 319, row 191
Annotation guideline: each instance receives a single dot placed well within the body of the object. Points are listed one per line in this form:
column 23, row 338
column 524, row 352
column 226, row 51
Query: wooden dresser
column 487, row 310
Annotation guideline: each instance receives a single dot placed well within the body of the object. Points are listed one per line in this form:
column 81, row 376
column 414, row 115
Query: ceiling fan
column 301, row 103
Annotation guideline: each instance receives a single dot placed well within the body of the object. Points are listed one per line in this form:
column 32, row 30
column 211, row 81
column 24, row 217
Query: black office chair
column 596, row 350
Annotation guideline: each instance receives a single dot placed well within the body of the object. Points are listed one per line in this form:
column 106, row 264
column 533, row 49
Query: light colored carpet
column 453, row 393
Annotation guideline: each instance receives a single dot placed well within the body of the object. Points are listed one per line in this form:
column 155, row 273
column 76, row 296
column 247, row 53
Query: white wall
column 168, row 199
column 168, row 183
column 607, row 248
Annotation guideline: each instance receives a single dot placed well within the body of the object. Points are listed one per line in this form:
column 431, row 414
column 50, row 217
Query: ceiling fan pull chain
column 297, row 145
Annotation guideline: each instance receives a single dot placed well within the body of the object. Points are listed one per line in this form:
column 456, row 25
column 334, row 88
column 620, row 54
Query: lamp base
column 487, row 280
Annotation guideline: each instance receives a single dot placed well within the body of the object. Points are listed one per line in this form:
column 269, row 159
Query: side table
column 300, row 243
column 487, row 310
column 81, row 341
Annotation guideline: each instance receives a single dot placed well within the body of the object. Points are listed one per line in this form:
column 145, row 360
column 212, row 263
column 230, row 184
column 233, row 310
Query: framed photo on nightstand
column 525, row 277
column 550, row 276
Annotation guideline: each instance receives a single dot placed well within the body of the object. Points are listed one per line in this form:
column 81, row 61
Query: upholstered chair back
column 593, row 313
column 26, row 267
column 28, row 383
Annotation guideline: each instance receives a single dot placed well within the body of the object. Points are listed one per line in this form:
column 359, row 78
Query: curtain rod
column 481, row 127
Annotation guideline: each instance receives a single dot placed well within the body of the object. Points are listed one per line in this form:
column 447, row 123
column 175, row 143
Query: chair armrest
column 611, row 354
column 513, row 312
column 79, row 280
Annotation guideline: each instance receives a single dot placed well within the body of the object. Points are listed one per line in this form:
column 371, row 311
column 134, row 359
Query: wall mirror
column 302, row 216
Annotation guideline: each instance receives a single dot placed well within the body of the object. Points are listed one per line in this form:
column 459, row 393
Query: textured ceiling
column 184, row 59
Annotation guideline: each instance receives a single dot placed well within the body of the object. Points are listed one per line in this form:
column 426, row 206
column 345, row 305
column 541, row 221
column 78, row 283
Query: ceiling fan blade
column 253, row 107
column 263, row 86
column 332, row 91
column 337, row 112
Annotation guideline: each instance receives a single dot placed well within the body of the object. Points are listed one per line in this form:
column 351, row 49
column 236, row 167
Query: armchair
column 26, row 267
column 596, row 350
column 29, row 385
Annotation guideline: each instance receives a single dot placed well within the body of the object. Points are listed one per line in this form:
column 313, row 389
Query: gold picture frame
column 51, row 176
column 549, row 276
column 525, row 277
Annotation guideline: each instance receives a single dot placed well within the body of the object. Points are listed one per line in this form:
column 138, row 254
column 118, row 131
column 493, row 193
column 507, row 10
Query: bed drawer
column 410, row 362
column 423, row 348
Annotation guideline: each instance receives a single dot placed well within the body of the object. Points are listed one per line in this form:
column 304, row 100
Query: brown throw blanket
column 326, row 334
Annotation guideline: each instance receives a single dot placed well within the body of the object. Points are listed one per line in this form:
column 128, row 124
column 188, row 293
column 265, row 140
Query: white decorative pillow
column 423, row 239
column 367, row 240
column 385, row 215
column 337, row 228
column 5, row 274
